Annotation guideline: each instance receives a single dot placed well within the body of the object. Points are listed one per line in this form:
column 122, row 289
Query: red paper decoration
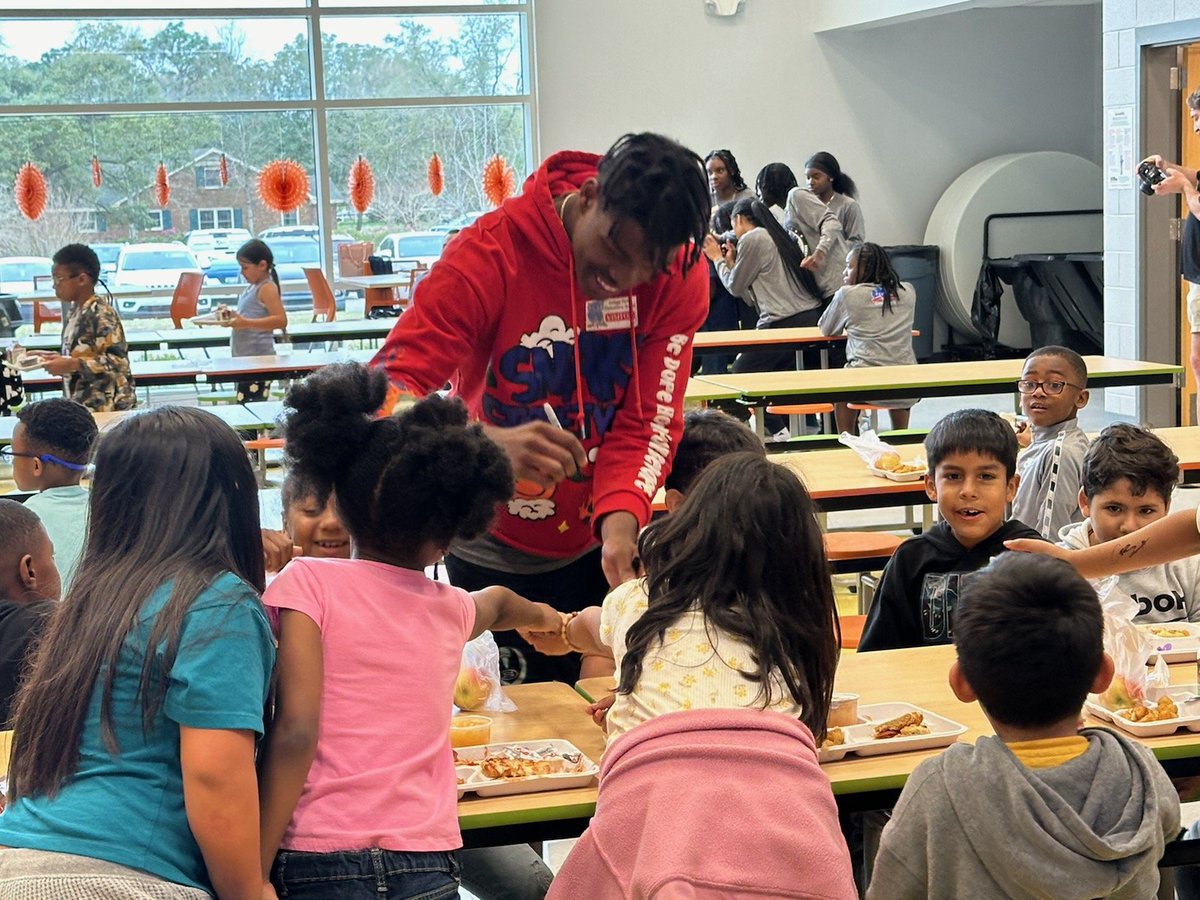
column 30, row 191
column 436, row 181
column 361, row 184
column 96, row 175
column 162, row 186
column 283, row 185
column 224, row 170
column 499, row 180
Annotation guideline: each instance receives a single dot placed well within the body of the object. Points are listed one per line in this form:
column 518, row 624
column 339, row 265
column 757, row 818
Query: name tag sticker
column 611, row 314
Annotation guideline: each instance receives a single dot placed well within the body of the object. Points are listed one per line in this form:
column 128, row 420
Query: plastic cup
column 843, row 711
column 470, row 731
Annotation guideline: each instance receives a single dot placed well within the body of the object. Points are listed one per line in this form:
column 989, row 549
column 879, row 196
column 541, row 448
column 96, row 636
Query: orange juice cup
column 470, row 731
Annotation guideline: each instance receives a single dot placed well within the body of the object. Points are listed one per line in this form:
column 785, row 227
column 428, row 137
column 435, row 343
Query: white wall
column 905, row 108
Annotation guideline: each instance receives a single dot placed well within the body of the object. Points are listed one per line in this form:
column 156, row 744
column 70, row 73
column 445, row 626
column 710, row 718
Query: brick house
column 198, row 200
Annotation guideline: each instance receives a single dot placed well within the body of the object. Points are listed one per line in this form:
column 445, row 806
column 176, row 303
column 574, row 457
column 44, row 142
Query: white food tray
column 208, row 319
column 1185, row 697
column 475, row 781
column 893, row 476
column 861, row 740
column 27, row 362
column 1174, row 649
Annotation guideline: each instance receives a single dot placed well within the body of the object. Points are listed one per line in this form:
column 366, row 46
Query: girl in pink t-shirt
column 358, row 783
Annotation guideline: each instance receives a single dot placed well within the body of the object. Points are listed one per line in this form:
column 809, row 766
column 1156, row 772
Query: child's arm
column 1172, row 537
column 291, row 742
column 220, row 796
column 578, row 634
column 499, row 609
column 835, row 319
column 268, row 296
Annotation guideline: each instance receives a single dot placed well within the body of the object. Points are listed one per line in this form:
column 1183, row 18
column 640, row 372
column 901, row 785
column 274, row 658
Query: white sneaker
column 783, row 434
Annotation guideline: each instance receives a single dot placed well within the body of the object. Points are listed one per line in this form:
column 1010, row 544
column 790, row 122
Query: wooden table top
column 551, row 710
column 737, row 339
column 950, row 379
column 919, row 676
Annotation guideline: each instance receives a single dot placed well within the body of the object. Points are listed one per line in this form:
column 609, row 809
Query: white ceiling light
column 723, row 7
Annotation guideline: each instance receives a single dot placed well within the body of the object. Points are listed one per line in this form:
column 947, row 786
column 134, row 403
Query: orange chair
column 800, row 409
column 852, row 629
column 872, row 413
column 324, row 305
column 47, row 311
column 186, row 296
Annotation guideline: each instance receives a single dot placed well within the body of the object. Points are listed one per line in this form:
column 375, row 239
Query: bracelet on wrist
column 565, row 631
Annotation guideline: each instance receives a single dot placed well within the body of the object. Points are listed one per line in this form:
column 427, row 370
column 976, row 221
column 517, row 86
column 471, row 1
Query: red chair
column 324, row 304
column 186, row 296
column 45, row 311
column 852, row 629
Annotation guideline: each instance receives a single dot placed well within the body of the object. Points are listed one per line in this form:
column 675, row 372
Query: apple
column 472, row 688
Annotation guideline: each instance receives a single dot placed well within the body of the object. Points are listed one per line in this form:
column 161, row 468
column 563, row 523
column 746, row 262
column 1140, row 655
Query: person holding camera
column 765, row 268
column 1163, row 177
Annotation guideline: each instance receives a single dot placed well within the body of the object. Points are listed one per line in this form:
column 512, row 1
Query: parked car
column 460, row 223
column 108, row 257
column 408, row 247
column 16, row 277
column 292, row 256
column 151, row 266
column 216, row 240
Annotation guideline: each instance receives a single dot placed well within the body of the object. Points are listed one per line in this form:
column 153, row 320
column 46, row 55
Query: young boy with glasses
column 51, row 447
column 1053, row 389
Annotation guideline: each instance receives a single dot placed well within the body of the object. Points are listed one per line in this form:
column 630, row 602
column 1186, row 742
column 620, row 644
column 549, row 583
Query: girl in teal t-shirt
column 133, row 753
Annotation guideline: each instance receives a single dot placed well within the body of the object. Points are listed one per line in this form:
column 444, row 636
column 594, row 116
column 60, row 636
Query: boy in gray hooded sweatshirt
column 1043, row 808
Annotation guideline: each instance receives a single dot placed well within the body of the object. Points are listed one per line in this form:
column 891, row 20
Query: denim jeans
column 372, row 874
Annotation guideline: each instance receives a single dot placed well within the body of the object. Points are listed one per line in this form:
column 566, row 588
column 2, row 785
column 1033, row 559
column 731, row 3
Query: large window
column 213, row 93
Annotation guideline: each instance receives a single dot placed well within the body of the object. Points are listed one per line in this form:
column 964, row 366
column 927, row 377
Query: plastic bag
column 876, row 453
column 478, row 685
column 1129, row 648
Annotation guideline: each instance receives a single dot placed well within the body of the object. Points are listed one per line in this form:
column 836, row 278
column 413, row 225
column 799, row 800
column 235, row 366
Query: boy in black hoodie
column 972, row 455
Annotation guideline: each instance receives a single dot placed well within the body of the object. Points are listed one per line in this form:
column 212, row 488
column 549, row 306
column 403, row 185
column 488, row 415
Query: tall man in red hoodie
column 581, row 295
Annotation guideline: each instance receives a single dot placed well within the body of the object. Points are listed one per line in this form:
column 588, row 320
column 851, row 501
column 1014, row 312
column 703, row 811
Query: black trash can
column 918, row 264
column 10, row 315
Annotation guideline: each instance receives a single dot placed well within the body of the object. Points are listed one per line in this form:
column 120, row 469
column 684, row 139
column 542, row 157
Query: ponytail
column 789, row 251
column 874, row 266
column 839, row 180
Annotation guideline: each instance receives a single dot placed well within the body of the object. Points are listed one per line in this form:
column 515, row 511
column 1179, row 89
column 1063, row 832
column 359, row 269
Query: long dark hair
column 399, row 481
column 745, row 549
column 174, row 500
column 254, row 252
column 827, row 163
column 773, row 183
column 872, row 265
column 731, row 166
column 788, row 249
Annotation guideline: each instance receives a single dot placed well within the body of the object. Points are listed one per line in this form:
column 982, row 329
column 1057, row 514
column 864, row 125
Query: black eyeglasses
column 8, row 454
column 1050, row 387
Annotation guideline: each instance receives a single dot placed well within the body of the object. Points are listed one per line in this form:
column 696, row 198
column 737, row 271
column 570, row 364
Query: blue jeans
column 374, row 873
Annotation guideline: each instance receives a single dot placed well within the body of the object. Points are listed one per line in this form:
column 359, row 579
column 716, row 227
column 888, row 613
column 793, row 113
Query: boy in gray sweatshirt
column 1043, row 808
column 1053, row 388
column 1128, row 477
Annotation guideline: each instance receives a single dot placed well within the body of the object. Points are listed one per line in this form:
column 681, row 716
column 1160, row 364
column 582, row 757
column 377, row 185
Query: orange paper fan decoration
column 96, row 174
column 30, row 191
column 499, row 180
column 162, row 186
column 224, row 170
column 436, row 181
column 361, row 185
column 283, row 185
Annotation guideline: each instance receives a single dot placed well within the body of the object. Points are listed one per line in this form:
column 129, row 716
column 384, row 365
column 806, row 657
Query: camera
column 1148, row 176
column 727, row 239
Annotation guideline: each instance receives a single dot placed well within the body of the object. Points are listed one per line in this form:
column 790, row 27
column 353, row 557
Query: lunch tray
column 860, row 739
column 1185, row 697
column 897, row 476
column 475, row 782
column 1174, row 649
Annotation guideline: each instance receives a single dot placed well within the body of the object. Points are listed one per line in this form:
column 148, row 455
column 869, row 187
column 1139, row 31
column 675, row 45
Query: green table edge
column 471, row 822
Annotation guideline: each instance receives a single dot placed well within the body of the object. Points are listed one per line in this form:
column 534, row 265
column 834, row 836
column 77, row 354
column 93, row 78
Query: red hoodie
column 500, row 319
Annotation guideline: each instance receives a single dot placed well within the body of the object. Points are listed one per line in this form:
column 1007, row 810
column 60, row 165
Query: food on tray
column 834, row 737
column 908, row 468
column 525, row 762
column 902, row 726
column 1143, row 712
column 468, row 731
column 886, row 460
column 1165, row 631
column 843, row 710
